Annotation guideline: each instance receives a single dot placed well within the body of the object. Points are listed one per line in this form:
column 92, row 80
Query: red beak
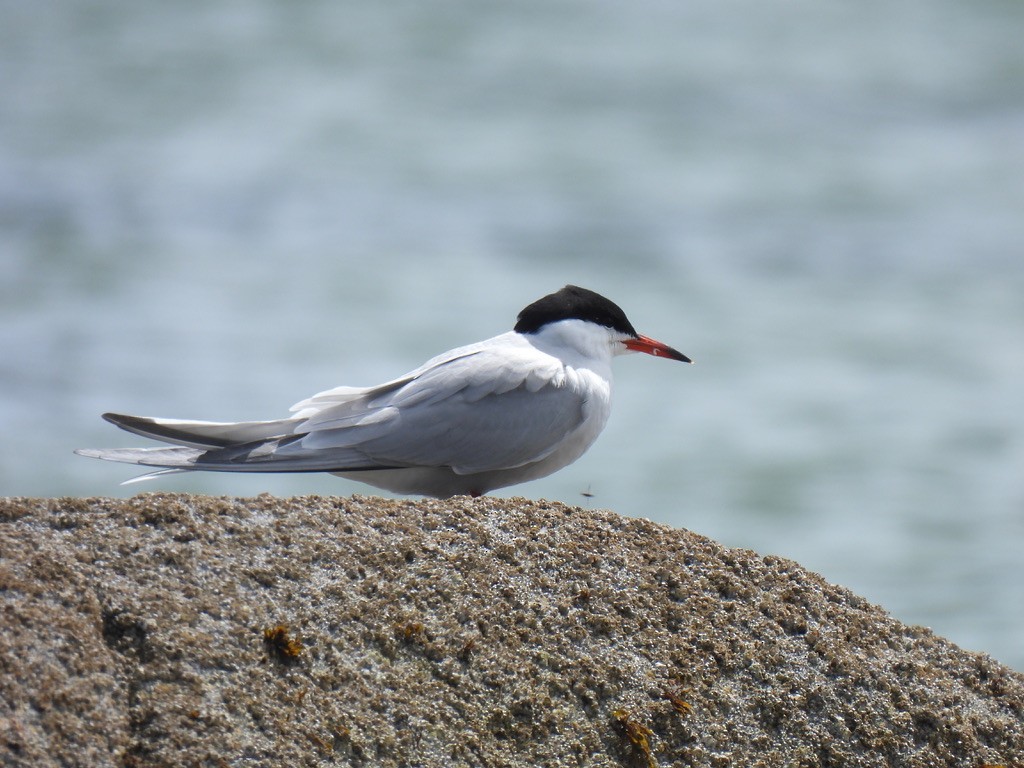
column 649, row 346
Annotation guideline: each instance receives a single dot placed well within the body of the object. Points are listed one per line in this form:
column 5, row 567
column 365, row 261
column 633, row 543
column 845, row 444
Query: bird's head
column 591, row 319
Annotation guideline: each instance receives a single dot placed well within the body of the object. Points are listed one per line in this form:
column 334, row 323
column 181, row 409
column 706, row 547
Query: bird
column 513, row 408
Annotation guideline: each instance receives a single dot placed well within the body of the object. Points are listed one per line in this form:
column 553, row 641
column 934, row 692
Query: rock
column 177, row 630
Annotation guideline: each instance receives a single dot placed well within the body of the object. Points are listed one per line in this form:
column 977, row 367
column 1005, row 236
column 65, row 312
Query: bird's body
column 513, row 408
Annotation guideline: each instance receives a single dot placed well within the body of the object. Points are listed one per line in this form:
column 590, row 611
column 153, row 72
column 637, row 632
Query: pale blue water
column 212, row 212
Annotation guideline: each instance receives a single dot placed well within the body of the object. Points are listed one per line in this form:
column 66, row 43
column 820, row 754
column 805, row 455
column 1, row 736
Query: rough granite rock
column 176, row 630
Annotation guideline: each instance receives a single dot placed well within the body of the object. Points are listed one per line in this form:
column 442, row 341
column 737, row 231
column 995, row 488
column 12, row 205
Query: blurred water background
column 215, row 210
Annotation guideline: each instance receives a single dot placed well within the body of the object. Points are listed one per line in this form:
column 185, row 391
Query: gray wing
column 474, row 413
column 498, row 431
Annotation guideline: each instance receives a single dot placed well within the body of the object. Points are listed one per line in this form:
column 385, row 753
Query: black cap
column 573, row 303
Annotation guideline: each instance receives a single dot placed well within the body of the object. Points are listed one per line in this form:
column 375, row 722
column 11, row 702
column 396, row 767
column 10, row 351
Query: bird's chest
column 595, row 397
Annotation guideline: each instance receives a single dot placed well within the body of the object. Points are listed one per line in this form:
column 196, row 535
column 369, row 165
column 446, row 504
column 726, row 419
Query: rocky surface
column 176, row 630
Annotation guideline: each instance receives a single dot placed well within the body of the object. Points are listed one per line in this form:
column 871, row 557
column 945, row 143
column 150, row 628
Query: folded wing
column 473, row 411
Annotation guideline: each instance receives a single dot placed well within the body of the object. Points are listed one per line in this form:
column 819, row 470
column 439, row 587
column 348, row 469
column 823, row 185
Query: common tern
column 503, row 411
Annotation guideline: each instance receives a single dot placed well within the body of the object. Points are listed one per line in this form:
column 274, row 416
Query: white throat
column 579, row 342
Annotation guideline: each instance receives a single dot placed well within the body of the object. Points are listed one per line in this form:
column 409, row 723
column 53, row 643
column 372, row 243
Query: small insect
column 285, row 647
column 639, row 735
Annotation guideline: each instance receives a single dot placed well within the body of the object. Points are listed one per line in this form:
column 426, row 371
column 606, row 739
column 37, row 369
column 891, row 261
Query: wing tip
column 151, row 475
column 121, row 419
